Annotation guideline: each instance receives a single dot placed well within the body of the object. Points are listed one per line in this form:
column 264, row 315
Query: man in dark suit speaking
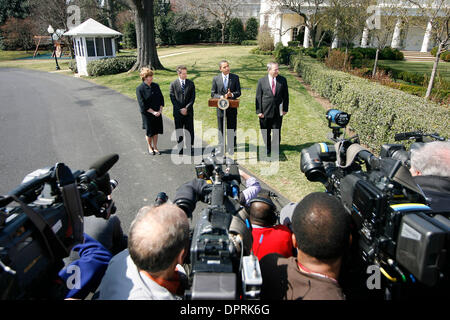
column 226, row 85
column 272, row 103
column 182, row 95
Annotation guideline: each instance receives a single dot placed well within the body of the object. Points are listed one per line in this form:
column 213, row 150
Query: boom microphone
column 101, row 166
column 105, row 163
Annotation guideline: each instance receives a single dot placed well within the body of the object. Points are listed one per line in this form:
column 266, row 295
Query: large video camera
column 222, row 266
column 396, row 229
column 40, row 231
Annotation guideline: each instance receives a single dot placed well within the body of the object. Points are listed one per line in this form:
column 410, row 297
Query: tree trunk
column 433, row 72
column 223, row 33
column 147, row 55
column 375, row 64
column 346, row 55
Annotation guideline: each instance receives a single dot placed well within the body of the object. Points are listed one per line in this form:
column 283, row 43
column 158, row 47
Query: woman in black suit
column 151, row 103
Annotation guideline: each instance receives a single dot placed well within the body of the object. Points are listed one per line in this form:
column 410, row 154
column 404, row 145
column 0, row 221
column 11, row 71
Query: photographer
column 151, row 267
column 430, row 167
column 321, row 235
column 268, row 237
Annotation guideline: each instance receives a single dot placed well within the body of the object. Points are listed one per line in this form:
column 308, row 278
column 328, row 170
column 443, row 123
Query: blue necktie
column 225, row 83
column 182, row 87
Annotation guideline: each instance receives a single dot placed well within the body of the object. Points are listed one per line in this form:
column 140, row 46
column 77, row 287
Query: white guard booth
column 92, row 41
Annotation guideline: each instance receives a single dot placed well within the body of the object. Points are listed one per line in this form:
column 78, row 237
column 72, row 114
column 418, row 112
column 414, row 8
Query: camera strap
column 54, row 245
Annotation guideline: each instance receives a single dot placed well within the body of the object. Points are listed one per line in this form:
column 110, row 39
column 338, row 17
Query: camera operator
column 268, row 237
column 252, row 188
column 321, row 229
column 88, row 269
column 151, row 267
column 430, row 167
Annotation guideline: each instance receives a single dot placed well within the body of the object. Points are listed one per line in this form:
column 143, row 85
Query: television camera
column 221, row 263
column 394, row 227
column 40, row 231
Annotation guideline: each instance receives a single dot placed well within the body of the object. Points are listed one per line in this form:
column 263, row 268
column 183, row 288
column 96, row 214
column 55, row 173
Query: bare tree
column 312, row 12
column 220, row 10
column 350, row 17
column 437, row 14
column 147, row 55
column 392, row 12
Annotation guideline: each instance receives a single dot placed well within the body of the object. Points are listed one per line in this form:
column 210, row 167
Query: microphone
column 105, row 163
column 101, row 166
column 406, row 135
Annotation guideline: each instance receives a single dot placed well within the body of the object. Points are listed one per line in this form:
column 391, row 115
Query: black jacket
column 149, row 97
column 179, row 100
column 437, row 191
column 218, row 90
column 268, row 103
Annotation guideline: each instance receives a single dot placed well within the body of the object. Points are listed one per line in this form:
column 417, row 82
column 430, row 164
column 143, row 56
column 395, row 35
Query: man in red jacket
column 268, row 237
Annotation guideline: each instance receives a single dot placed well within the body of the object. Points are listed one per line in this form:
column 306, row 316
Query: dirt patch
column 325, row 103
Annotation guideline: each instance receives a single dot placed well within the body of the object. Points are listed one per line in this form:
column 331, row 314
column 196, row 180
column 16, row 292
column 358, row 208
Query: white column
column 306, row 38
column 335, row 43
column 396, row 37
column 276, row 31
column 426, row 38
column 365, row 38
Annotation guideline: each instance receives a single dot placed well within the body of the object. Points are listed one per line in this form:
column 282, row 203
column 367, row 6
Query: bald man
column 268, row 237
column 150, row 269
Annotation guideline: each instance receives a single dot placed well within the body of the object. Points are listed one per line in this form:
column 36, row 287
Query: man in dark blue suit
column 272, row 103
column 182, row 95
column 226, row 85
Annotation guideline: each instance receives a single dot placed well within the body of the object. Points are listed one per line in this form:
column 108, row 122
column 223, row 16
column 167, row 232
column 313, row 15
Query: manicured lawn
column 419, row 67
column 304, row 125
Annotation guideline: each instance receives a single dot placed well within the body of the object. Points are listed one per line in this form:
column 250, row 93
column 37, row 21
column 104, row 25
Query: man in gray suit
column 272, row 103
column 226, row 85
column 182, row 95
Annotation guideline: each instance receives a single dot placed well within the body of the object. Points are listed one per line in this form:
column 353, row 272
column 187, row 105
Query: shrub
column 249, row 43
column 322, row 53
column 337, row 60
column 282, row 54
column 445, row 56
column 237, row 34
column 261, row 52
column 390, row 54
column 110, row 66
column 73, row 65
column 265, row 39
column 251, row 28
column 434, row 51
column 293, row 43
column 377, row 111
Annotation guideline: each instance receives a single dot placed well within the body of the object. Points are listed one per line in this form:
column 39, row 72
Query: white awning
column 92, row 28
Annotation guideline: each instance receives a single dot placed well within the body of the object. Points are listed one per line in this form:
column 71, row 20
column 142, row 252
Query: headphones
column 268, row 201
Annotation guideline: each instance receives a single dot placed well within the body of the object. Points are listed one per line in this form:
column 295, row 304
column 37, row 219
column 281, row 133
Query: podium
column 224, row 104
column 214, row 102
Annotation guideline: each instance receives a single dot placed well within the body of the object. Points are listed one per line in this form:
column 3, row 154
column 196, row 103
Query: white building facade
column 286, row 25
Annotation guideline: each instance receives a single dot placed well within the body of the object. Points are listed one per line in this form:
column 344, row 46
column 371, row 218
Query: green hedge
column 378, row 112
column 110, row 66
column 249, row 43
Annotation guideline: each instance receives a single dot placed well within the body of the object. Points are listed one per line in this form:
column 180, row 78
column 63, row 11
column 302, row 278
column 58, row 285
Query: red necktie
column 273, row 86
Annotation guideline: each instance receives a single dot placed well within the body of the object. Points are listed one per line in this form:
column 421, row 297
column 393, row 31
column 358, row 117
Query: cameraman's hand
column 244, row 175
